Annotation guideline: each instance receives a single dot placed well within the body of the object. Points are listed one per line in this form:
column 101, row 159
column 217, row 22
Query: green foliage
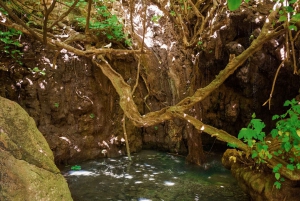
column 173, row 13
column 286, row 13
column 10, row 44
column 76, row 167
column 56, row 105
column 92, row 115
column 155, row 18
column 287, row 133
column 233, row 145
column 37, row 70
column 106, row 23
column 234, row 4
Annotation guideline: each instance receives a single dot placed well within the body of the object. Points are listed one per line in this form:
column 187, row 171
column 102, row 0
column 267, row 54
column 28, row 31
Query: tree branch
column 19, row 21
column 64, row 14
column 46, row 17
column 87, row 25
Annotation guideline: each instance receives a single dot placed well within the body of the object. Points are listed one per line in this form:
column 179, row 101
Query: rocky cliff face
column 76, row 108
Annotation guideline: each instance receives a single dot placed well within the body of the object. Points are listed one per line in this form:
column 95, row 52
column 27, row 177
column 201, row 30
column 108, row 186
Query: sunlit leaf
column 296, row 17
column 287, row 103
column 233, row 145
column 76, row 167
column 254, row 154
column 275, row 117
column 289, row 9
column 290, row 167
column 282, row 18
column 234, row 4
column 277, row 167
column 277, row 184
column 277, row 175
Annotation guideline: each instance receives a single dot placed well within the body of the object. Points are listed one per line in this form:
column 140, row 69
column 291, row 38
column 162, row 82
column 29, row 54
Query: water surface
column 152, row 176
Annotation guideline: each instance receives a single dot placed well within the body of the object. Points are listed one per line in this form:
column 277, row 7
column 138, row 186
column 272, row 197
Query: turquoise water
column 152, row 176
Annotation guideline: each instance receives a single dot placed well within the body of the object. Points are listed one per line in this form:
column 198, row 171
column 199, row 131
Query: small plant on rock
column 285, row 142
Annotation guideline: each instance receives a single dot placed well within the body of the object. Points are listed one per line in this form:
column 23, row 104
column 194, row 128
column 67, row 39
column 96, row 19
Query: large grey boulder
column 27, row 169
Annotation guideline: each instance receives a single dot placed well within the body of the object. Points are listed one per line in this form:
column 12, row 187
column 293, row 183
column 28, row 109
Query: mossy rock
column 27, row 164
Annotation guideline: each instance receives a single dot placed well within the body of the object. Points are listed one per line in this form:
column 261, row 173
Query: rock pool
column 152, row 176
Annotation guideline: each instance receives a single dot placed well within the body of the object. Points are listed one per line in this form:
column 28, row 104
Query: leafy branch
column 284, row 146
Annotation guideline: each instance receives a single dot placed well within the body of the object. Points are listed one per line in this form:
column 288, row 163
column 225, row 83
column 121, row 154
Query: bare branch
column 87, row 25
column 46, row 17
column 64, row 14
column 19, row 21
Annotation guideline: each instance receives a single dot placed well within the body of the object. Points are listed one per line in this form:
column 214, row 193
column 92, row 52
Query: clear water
column 152, row 176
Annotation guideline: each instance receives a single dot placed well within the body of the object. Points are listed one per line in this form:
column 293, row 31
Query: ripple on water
column 152, row 176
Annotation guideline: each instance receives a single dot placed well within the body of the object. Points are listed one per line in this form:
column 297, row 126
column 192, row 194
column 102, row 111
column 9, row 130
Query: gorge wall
column 76, row 108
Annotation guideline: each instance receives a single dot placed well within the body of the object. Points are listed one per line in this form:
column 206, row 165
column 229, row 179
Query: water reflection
column 152, row 176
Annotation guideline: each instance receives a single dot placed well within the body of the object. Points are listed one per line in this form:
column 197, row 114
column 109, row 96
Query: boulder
column 27, row 169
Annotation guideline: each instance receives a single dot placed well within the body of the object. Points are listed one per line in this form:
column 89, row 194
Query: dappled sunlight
column 29, row 80
column 258, row 19
column 81, row 173
column 283, row 53
column 154, row 14
column 150, row 176
column 43, row 84
column 169, row 183
column 66, row 139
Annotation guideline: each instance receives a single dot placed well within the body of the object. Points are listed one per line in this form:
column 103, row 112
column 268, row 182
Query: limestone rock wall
column 27, row 164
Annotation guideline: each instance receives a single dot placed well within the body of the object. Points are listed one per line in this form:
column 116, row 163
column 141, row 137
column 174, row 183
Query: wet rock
column 257, row 183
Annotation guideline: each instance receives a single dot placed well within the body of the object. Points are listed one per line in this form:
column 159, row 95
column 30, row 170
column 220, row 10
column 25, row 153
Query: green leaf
column 295, row 18
column 253, row 116
column 282, row 18
column 293, row 28
column 277, row 184
column 172, row 13
column 292, row 160
column 290, row 167
column 275, row 117
column 277, row 167
column 287, row 103
column 289, row 9
column 254, row 154
column 287, row 146
column 277, row 175
column 76, row 167
column 36, row 69
column 234, row 4
column 233, row 145
column 270, row 156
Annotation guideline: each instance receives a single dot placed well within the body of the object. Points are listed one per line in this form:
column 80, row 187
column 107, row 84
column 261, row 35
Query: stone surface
column 27, row 169
column 259, row 184
column 76, row 108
